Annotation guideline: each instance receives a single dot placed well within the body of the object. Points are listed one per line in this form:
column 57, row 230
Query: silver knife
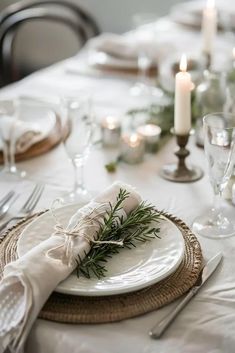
column 206, row 272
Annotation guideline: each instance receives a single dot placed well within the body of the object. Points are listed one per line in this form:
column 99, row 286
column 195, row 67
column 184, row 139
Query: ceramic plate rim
column 113, row 62
column 70, row 291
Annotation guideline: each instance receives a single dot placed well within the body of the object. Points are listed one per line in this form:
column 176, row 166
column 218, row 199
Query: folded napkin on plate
column 28, row 282
column 115, row 45
column 127, row 46
column 24, row 134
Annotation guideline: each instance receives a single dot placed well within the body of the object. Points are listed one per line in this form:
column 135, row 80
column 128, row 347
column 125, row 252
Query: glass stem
column 143, row 64
column 78, row 176
column 6, row 154
column 216, row 209
column 12, row 156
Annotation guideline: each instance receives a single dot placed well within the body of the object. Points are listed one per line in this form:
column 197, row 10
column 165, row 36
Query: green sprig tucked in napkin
column 139, row 226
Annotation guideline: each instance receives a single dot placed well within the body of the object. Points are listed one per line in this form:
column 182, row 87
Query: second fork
column 28, row 207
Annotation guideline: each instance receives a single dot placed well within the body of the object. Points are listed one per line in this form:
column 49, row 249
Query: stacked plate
column 128, row 271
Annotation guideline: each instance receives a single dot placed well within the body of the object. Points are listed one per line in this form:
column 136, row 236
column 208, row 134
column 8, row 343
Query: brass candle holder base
column 180, row 172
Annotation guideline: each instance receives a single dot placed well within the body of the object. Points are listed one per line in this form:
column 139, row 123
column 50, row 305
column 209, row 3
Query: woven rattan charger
column 79, row 309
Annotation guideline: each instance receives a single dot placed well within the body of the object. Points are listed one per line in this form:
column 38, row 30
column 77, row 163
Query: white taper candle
column 183, row 86
column 209, row 27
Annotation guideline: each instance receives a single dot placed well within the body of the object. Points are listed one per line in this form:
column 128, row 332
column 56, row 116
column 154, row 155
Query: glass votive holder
column 132, row 148
column 233, row 194
column 151, row 135
column 111, row 131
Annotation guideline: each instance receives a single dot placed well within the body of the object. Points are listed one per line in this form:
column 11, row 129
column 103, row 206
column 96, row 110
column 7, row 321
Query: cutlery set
column 25, row 211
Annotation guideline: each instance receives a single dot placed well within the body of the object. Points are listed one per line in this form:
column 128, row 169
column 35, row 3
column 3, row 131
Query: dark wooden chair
column 58, row 11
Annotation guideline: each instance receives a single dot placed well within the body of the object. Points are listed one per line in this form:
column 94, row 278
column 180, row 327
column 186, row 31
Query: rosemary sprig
column 139, row 226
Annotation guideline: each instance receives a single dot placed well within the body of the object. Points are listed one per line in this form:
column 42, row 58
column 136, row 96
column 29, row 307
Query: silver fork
column 28, row 207
column 6, row 202
column 7, row 205
column 6, row 198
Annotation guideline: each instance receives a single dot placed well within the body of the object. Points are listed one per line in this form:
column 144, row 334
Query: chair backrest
column 90, row 24
column 15, row 15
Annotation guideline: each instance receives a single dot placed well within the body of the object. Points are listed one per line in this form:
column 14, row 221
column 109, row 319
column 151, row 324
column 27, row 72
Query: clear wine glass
column 78, row 142
column 8, row 135
column 143, row 24
column 219, row 145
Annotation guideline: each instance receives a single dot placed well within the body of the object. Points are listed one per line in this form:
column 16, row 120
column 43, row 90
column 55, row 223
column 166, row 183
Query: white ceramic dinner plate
column 128, row 271
column 101, row 59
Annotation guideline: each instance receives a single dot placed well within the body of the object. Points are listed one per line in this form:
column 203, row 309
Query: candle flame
column 210, row 4
column 149, row 129
column 234, row 53
column 133, row 138
column 111, row 119
column 183, row 63
column 111, row 122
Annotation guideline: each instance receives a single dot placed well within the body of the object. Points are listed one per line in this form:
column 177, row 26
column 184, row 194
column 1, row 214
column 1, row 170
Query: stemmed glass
column 144, row 33
column 8, row 136
column 78, row 142
column 219, row 145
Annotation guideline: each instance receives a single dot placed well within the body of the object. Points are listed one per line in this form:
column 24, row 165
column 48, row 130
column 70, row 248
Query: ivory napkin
column 23, row 134
column 28, row 282
column 126, row 47
column 115, row 45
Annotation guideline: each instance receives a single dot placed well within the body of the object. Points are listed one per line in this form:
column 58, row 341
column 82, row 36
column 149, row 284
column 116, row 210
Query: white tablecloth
column 208, row 323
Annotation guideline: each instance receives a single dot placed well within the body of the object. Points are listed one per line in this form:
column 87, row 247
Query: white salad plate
column 128, row 271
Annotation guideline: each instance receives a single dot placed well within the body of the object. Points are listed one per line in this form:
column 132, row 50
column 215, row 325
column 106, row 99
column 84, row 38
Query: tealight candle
column 209, row 27
column 183, row 87
column 150, row 134
column 132, row 148
column 111, row 131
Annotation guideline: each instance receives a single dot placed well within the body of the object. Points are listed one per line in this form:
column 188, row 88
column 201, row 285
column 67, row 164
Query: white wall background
column 115, row 15
column 40, row 44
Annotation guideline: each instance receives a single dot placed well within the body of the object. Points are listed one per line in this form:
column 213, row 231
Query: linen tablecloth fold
column 28, row 282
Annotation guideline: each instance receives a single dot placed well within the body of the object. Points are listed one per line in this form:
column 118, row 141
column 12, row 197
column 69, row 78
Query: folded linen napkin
column 28, row 282
column 24, row 134
column 127, row 46
column 114, row 45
